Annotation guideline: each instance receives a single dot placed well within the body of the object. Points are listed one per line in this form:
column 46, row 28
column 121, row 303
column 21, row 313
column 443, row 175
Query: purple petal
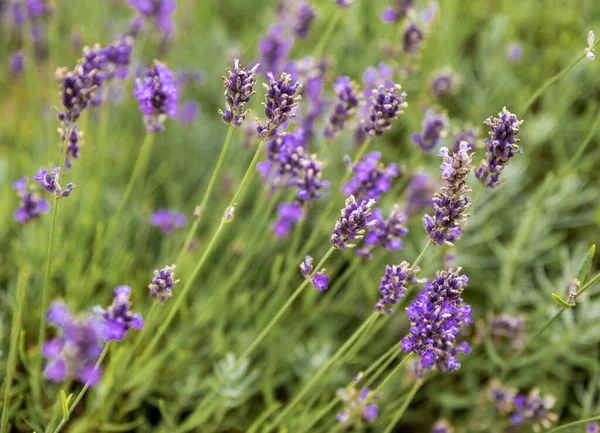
column 53, row 348
column 56, row 371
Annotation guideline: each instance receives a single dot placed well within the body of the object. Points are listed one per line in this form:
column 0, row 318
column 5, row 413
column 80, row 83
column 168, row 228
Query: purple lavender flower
column 162, row 284
column 593, row 428
column 319, row 281
column 118, row 54
column 502, row 146
column 304, row 19
column 343, row 3
column 289, row 214
column 411, row 39
column 434, row 129
column 73, row 144
column 450, row 203
column 49, row 180
column 160, row 11
column 77, row 92
column 534, row 411
column 239, row 88
column 347, row 102
column 359, row 407
column 306, row 267
column 274, row 49
column 503, row 398
column 167, row 220
column 442, row 426
column 371, row 178
column 308, row 179
column 188, row 113
column 507, row 329
column 157, row 96
column 443, row 84
column 393, row 287
column 281, row 101
column 418, row 194
column 16, row 62
column 353, row 222
column 515, row 52
column 118, row 317
column 37, row 8
column 386, row 105
column 388, row 233
column 437, row 316
column 31, row 205
column 469, row 135
column 399, row 11
column 283, row 156
column 95, row 65
column 74, row 354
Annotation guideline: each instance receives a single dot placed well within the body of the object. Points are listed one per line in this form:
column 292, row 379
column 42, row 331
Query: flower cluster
column 16, row 62
column 118, row 317
column 360, row 406
column 159, row 11
column 353, row 222
column 274, row 49
column 434, row 129
column 74, row 354
column 450, row 203
column 469, row 135
column 442, row 426
column 399, row 11
column 393, row 286
column 306, row 267
column 281, row 100
column 49, row 180
column 289, row 214
column 508, row 329
column 239, row 88
column 162, row 284
column 157, row 96
column 74, row 144
column 31, row 205
column 418, row 194
column 167, row 220
column 77, row 90
column 436, row 317
column 386, row 233
column 411, row 39
column 343, row 3
column 443, row 84
column 502, row 398
column 319, row 281
column 371, row 178
column 501, row 147
column 386, row 105
column 346, row 103
column 304, row 19
column 534, row 411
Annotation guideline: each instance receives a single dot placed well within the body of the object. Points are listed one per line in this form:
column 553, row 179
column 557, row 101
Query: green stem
column 393, row 373
column 285, row 307
column 551, row 81
column 402, row 409
column 83, row 390
column 583, row 145
column 327, row 34
column 526, row 347
column 419, row 258
column 573, row 424
column 37, row 392
column 15, row 331
column 592, row 282
column 209, row 188
column 481, row 187
column 321, row 372
column 180, row 299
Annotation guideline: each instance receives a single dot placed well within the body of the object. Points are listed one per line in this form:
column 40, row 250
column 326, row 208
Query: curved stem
column 573, row 424
column 209, row 188
column 419, row 258
column 402, row 409
column 393, row 373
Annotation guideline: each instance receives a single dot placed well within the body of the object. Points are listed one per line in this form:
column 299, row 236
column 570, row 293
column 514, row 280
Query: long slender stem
column 284, row 308
column 420, row 257
column 573, row 424
column 209, row 188
column 83, row 390
column 393, row 373
column 180, row 299
column 37, row 392
column 551, row 81
column 402, row 409
column 321, row 372
column 327, row 34
column 15, row 331
column 583, row 145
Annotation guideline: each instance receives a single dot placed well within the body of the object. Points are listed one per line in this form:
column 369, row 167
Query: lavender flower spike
column 157, row 96
column 533, row 410
column 386, row 106
column 32, row 206
column 353, row 222
column 371, row 178
column 387, row 234
column 437, row 316
column 77, row 90
column 239, row 88
column 442, row 426
column 434, row 128
column 319, row 281
column 118, row 317
column 347, row 102
column 359, row 407
column 162, row 284
column 393, row 286
column 343, row 3
column 281, row 100
column 306, row 267
column 502, row 146
column 49, row 180
column 167, row 220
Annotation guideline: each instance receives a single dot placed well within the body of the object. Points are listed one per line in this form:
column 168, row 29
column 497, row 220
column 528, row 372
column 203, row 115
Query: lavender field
column 299, row 216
